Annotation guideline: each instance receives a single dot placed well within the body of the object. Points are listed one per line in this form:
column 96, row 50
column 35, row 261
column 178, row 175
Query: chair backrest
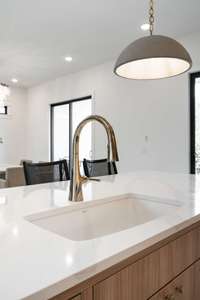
column 99, row 167
column 36, row 173
column 15, row 177
column 25, row 160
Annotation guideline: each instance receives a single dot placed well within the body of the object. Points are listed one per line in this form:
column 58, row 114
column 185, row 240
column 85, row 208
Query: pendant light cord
column 151, row 16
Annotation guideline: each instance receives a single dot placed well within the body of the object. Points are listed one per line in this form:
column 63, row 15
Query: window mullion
column 70, row 132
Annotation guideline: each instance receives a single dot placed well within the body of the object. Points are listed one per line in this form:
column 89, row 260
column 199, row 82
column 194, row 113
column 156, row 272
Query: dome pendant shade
column 153, row 57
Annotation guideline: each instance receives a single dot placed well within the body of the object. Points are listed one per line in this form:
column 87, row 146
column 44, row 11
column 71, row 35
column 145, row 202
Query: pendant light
column 153, row 57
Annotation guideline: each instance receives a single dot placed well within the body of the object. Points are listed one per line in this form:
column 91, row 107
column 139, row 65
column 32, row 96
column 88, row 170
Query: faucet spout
column 77, row 180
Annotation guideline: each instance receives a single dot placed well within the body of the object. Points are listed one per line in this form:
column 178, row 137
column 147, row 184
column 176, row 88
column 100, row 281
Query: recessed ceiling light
column 68, row 58
column 145, row 27
column 14, row 80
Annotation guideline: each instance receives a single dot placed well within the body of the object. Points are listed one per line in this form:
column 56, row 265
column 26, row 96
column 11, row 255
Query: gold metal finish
column 76, row 179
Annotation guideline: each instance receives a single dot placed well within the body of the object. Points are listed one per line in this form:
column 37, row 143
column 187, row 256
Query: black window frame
column 70, row 103
column 193, row 77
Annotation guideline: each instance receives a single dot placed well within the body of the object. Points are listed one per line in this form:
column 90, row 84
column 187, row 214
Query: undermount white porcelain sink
column 101, row 218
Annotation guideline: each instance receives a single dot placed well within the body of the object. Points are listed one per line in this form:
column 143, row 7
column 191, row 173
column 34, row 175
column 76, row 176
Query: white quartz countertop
column 38, row 264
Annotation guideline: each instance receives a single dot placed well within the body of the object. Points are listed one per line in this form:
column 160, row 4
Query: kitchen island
column 152, row 252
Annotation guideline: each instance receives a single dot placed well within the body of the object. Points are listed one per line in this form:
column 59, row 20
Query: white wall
column 13, row 128
column 150, row 118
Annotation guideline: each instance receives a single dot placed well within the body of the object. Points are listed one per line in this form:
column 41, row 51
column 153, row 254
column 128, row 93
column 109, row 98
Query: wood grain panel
column 197, row 281
column 84, row 295
column 87, row 294
column 63, row 296
column 142, row 279
column 142, row 275
column 182, row 288
column 76, row 298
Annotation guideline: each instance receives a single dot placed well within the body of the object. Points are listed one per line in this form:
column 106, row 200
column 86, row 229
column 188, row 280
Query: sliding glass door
column 65, row 117
column 195, row 122
column 80, row 111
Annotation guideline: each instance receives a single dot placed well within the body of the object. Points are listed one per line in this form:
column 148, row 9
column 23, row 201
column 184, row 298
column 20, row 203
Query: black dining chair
column 99, row 167
column 36, row 173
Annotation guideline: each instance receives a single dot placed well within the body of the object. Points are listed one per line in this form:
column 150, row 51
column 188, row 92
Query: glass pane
column 61, row 132
column 80, row 111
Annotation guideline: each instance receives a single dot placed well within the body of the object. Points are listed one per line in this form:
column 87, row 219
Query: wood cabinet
column 87, row 294
column 142, row 279
column 170, row 271
column 76, row 297
column 197, row 281
column 181, row 288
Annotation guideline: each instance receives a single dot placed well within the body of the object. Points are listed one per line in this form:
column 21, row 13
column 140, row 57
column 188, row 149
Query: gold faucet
column 77, row 180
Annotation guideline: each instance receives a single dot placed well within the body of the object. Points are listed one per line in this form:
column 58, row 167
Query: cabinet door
column 77, row 298
column 119, row 287
column 129, row 284
column 181, row 288
column 145, row 277
column 84, row 295
column 197, row 280
column 64, row 297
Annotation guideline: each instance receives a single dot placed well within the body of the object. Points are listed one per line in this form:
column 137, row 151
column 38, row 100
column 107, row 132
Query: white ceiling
column 36, row 35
